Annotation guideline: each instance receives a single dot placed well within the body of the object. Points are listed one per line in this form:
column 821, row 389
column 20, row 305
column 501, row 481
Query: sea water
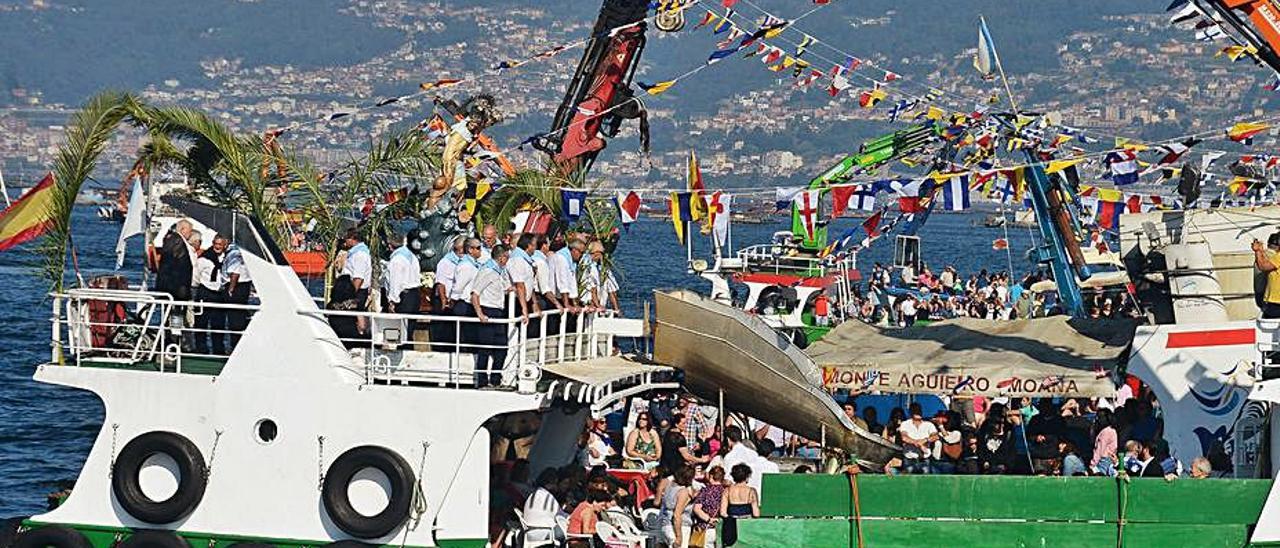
column 46, row 431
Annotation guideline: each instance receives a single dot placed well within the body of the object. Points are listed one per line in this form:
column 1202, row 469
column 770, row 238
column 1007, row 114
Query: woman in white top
column 488, row 295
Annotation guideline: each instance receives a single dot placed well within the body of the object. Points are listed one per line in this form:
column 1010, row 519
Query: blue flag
column 572, row 203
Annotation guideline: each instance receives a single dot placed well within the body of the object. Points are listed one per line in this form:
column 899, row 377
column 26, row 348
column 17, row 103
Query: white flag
column 134, row 220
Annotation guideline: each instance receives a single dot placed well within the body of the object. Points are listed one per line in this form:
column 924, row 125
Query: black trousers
column 493, row 354
column 238, row 320
column 210, row 322
column 1270, row 311
column 553, row 322
column 410, row 302
column 465, row 332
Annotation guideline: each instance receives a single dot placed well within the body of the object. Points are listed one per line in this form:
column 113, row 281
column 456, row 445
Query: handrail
column 155, row 329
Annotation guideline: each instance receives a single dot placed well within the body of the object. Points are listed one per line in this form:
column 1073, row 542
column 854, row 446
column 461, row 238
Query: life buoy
column 337, row 503
column 191, row 477
column 154, row 539
column 58, row 536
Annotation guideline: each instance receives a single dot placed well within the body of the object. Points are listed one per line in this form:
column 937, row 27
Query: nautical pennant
column 784, row 196
column 718, row 213
column 572, row 203
column 1244, row 132
column 681, row 212
column 955, row 193
column 1122, row 166
column 807, row 206
column 628, row 207
column 658, row 88
column 693, row 182
column 1172, row 153
column 872, row 97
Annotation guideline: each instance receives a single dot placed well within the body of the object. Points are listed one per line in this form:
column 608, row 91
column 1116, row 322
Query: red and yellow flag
column 27, row 218
column 693, row 180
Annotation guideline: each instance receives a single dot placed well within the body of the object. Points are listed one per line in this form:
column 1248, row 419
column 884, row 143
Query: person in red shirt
column 822, row 309
column 582, row 522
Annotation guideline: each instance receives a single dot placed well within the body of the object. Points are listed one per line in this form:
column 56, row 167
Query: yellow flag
column 1059, row 165
column 936, row 114
column 1236, row 52
column 660, row 87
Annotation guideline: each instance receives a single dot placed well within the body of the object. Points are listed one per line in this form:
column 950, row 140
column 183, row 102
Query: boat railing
column 152, row 331
column 443, row 349
column 780, row 259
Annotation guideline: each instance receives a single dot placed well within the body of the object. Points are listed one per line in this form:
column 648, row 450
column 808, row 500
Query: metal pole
column 721, row 413
column 5, row 190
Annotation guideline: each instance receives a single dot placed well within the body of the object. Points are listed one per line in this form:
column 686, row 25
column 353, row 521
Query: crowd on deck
column 668, row 469
column 909, row 297
column 479, row 278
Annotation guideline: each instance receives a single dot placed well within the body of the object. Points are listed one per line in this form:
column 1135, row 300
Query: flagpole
column 5, row 190
column 1000, row 67
column 1008, row 253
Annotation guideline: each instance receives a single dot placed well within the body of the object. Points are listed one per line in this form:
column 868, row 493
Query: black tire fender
column 149, row 538
column 338, row 478
column 191, row 482
column 58, row 536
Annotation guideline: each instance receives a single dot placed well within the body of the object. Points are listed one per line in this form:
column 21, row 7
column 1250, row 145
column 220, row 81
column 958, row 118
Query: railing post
column 56, row 343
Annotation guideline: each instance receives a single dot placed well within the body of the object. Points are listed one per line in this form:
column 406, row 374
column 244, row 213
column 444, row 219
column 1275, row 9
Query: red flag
column 1108, row 214
column 840, row 199
column 872, row 224
column 1133, row 203
column 910, row 204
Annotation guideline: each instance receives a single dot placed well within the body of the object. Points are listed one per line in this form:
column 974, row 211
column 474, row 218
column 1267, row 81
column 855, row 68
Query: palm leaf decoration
column 86, row 137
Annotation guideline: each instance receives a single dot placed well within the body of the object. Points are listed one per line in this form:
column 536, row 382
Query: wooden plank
column 1013, row 497
column 769, row 533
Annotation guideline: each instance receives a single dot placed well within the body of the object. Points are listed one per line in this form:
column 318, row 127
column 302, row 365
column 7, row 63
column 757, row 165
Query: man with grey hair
column 488, row 239
column 460, row 294
column 173, row 275
column 1201, row 468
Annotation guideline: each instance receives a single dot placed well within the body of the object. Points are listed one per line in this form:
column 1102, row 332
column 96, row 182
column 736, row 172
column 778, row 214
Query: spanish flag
column 681, row 212
column 27, row 218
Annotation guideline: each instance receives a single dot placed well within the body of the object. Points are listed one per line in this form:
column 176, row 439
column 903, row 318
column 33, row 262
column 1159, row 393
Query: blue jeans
column 916, row 466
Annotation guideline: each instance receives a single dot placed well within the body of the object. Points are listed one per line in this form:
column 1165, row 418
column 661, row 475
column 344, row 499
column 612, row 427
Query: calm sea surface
column 46, row 431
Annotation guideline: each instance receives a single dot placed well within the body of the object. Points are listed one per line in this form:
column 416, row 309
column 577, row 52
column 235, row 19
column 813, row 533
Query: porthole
column 266, row 431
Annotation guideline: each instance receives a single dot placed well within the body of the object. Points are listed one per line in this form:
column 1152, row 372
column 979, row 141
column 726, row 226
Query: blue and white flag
column 784, row 196
column 1122, row 166
column 955, row 193
column 572, row 203
column 985, row 59
column 864, row 201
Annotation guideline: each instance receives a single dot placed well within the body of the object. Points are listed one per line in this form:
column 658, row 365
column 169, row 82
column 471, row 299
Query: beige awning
column 1055, row 356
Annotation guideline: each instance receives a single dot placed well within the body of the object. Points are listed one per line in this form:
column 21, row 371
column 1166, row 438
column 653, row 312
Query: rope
column 853, row 473
column 1122, row 496
column 114, row 427
column 320, row 465
column 213, row 454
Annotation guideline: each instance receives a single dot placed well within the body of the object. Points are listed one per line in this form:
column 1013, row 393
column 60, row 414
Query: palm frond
column 86, row 137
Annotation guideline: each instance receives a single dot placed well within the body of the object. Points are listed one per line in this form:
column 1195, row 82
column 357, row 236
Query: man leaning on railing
column 488, row 295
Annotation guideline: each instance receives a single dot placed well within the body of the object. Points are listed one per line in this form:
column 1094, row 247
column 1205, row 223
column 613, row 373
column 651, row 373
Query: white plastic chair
column 613, row 538
column 535, row 537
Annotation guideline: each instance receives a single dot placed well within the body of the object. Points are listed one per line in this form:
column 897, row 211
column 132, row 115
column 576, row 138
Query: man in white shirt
column 404, row 282
column 211, row 322
column 488, row 295
column 545, row 272
column 239, row 286
column 460, row 293
column 918, row 436
column 523, row 278
column 442, row 332
column 359, row 266
column 565, row 262
column 739, row 453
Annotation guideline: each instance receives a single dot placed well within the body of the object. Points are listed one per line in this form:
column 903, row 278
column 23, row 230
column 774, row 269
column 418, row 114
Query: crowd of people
column 217, row 274
column 543, row 278
column 910, row 297
column 689, row 475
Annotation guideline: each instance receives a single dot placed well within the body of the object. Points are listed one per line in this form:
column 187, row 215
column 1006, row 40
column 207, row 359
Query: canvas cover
column 1054, row 356
column 720, row 348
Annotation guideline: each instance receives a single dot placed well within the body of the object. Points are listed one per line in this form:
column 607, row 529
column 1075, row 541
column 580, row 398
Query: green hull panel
column 108, row 537
column 765, row 533
column 817, row 510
